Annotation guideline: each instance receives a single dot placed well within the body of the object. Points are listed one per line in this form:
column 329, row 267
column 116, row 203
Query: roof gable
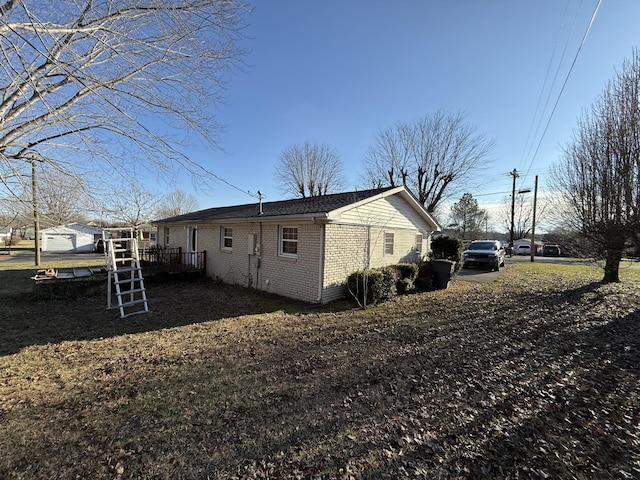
column 381, row 209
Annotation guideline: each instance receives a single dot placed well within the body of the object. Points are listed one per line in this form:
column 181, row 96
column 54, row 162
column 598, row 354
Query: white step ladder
column 123, row 266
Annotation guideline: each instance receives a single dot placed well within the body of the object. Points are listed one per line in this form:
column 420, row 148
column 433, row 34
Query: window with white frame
column 388, row 243
column 226, row 238
column 288, row 242
column 419, row 243
column 166, row 236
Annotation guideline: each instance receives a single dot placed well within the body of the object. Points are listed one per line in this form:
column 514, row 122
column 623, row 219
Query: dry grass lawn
column 534, row 376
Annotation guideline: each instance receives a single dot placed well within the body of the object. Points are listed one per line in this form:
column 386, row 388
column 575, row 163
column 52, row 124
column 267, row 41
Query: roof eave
column 313, row 217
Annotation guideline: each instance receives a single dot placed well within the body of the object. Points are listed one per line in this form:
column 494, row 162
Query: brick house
column 304, row 248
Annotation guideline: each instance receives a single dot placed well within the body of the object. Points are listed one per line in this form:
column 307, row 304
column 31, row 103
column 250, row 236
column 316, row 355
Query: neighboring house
column 73, row 237
column 146, row 235
column 305, row 248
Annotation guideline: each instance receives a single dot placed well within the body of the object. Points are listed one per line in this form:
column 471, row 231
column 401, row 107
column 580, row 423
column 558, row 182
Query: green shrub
column 406, row 274
column 372, row 285
column 389, row 289
column 362, row 285
column 404, row 285
column 448, row 248
column 408, row 270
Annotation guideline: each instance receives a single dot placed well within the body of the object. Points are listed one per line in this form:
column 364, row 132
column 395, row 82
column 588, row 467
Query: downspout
column 321, row 265
column 259, row 259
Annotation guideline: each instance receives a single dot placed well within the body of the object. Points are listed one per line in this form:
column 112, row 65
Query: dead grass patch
column 533, row 376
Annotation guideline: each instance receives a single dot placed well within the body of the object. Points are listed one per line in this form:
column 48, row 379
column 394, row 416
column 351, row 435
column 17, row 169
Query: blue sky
column 337, row 72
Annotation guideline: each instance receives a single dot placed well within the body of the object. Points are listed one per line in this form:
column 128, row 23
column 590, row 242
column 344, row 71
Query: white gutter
column 313, row 217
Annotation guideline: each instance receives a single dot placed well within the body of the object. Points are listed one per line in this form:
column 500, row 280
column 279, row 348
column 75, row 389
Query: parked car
column 551, row 250
column 484, row 253
column 523, row 250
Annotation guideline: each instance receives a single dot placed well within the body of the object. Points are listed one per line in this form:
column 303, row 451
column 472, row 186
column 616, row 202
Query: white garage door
column 59, row 242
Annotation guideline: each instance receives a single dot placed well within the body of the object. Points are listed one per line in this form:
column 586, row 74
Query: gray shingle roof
column 297, row 207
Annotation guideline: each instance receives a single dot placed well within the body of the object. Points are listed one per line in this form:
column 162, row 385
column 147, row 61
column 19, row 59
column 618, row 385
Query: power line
column 226, row 182
column 530, row 137
column 573, row 63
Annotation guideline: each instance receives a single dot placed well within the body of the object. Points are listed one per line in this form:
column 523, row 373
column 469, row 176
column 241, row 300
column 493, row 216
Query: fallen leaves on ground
column 533, row 376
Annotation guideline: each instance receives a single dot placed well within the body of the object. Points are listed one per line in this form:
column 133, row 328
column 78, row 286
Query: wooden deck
column 169, row 262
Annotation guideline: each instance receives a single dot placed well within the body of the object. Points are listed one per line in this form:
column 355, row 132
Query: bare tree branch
column 176, row 203
column 135, row 208
column 91, row 84
column 432, row 156
column 309, row 170
column 599, row 175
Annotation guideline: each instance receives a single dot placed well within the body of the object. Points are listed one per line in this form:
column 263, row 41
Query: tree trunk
column 612, row 266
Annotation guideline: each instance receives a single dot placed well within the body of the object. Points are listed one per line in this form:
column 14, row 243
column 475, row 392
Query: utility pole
column 515, row 175
column 533, row 224
column 36, row 218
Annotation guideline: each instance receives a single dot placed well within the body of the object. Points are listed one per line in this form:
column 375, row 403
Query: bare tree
column 522, row 215
column 599, row 174
column 309, row 170
column 433, row 156
column 62, row 198
column 92, row 84
column 135, row 208
column 177, row 203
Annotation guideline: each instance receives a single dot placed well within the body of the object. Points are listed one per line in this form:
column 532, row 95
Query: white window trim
column 393, row 242
column 281, row 241
column 419, row 244
column 222, row 238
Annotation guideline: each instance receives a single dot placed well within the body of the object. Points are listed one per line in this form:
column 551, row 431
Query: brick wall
column 346, row 251
column 292, row 277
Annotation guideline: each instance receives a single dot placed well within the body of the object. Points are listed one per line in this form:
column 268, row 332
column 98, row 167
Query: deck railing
column 171, row 260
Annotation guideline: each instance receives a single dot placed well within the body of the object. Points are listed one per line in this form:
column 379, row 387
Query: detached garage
column 74, row 237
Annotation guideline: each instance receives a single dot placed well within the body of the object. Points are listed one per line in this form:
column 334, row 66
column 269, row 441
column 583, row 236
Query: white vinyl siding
column 392, row 213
